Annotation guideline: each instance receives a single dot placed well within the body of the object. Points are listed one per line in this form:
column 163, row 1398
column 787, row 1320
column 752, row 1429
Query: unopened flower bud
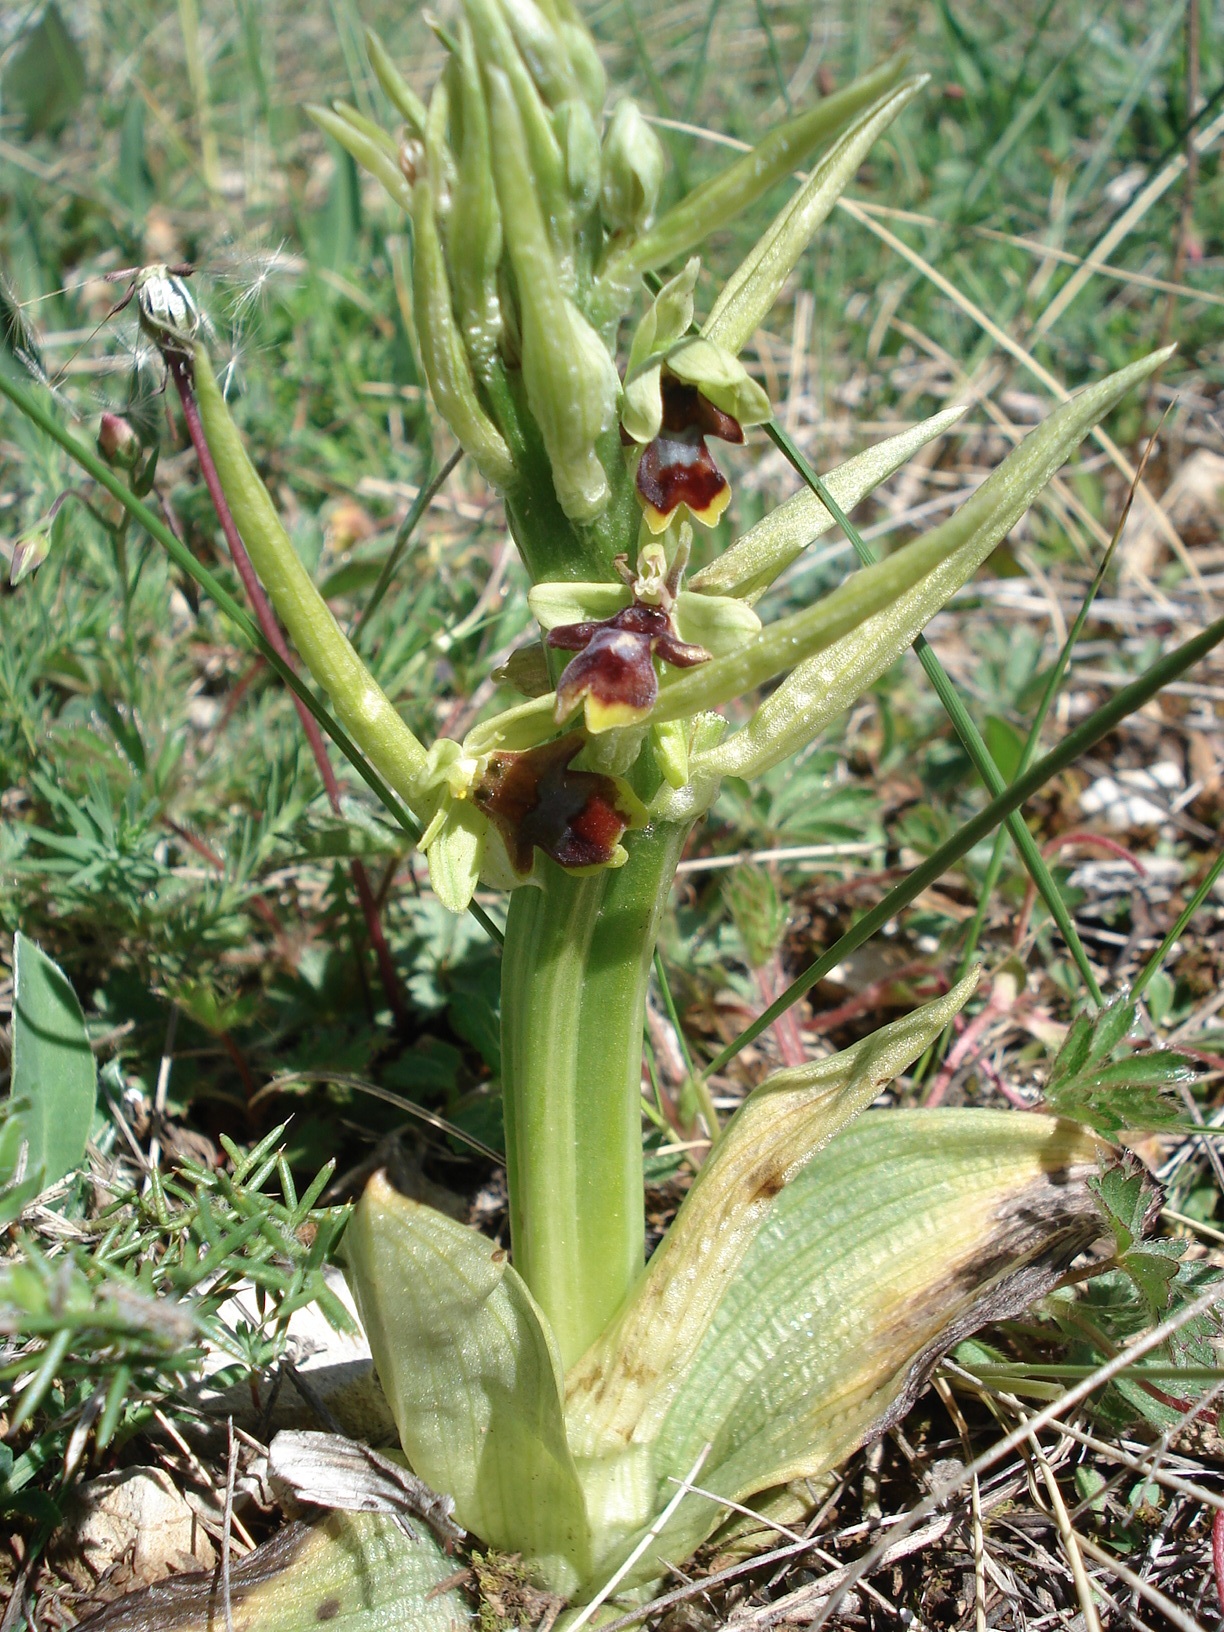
column 118, row 443
column 632, row 169
column 29, row 553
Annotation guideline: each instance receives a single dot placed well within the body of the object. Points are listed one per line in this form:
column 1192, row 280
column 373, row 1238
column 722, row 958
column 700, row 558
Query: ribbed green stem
column 574, row 976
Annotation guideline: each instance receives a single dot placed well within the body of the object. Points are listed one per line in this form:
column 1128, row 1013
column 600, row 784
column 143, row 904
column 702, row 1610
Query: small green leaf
column 53, row 1064
column 750, row 292
column 473, row 1378
column 824, row 685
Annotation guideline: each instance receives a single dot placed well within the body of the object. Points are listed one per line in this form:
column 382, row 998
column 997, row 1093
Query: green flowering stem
column 364, row 709
column 574, row 977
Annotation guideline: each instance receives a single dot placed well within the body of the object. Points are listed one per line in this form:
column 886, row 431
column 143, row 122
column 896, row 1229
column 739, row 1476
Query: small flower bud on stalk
column 118, row 443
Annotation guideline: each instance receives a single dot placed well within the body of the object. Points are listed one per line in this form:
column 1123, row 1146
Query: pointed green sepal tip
column 370, row 152
column 398, row 92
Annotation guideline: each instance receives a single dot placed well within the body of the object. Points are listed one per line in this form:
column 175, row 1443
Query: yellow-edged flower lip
column 677, row 467
column 613, row 675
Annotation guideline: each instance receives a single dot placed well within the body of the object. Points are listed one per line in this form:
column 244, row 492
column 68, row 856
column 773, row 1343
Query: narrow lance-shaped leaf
column 473, row 1378
column 750, row 292
column 787, row 641
column 907, row 1232
column 718, row 201
column 364, row 709
column 819, row 689
column 754, row 561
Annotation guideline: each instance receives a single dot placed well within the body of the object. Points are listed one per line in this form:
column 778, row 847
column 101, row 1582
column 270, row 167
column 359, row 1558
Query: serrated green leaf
column 906, row 1232
column 53, row 1064
column 473, row 1378
column 361, row 1572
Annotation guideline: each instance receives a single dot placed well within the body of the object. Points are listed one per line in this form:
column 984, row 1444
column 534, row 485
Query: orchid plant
column 564, row 1396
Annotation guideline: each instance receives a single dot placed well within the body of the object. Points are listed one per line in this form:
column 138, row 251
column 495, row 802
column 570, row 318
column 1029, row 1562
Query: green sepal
column 580, row 144
column 472, row 1375
column 535, row 168
column 571, row 381
column 585, row 61
column 443, row 353
column 631, row 167
column 819, row 689
column 668, row 317
column 455, row 850
column 543, row 49
column 753, row 562
column 720, row 376
column 750, row 292
column 370, row 153
column 396, row 88
column 475, row 232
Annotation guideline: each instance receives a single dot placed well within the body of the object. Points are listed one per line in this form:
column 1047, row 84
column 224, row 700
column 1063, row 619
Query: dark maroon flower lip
column 536, row 802
column 613, row 674
column 677, row 467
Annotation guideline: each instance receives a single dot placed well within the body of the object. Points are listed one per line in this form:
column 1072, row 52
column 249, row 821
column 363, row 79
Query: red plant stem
column 179, row 365
column 1217, row 1553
